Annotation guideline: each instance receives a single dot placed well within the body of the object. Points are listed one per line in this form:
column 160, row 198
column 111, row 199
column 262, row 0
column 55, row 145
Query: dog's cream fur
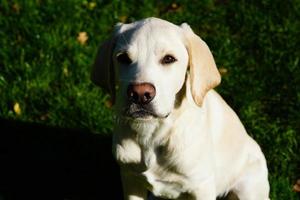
column 195, row 146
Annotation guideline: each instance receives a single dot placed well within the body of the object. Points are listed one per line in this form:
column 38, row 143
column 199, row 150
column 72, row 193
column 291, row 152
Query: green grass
column 46, row 70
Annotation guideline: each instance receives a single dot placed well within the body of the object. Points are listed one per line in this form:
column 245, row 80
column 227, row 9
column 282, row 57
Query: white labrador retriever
column 175, row 136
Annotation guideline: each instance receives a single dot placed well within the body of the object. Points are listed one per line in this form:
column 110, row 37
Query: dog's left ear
column 204, row 74
column 103, row 73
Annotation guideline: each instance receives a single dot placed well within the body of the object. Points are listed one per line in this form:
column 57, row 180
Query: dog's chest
column 152, row 165
column 129, row 152
column 153, row 157
column 144, row 148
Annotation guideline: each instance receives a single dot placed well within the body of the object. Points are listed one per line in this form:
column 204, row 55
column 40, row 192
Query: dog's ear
column 103, row 73
column 204, row 74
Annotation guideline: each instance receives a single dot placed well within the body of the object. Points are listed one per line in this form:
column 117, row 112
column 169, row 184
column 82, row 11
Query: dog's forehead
column 150, row 30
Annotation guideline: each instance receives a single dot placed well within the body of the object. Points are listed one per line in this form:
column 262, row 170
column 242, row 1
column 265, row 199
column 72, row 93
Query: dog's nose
column 141, row 93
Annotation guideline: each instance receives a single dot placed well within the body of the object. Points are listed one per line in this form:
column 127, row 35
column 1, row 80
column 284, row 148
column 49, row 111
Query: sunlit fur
column 196, row 147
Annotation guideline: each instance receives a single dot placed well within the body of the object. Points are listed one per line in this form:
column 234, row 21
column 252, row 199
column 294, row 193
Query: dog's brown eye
column 123, row 58
column 168, row 59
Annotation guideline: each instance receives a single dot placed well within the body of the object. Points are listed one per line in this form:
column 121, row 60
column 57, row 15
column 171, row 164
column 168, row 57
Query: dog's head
column 148, row 61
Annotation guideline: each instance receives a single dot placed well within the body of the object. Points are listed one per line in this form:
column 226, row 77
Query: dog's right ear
column 103, row 73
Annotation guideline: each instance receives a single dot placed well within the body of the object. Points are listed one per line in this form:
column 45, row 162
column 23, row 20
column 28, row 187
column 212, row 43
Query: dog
column 174, row 136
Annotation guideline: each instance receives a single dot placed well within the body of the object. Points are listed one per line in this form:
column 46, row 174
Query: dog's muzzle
column 139, row 97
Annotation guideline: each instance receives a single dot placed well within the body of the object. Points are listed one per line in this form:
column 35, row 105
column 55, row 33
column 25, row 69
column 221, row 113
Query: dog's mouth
column 142, row 114
column 136, row 111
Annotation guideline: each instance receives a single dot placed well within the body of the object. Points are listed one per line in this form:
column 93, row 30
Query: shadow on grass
column 40, row 162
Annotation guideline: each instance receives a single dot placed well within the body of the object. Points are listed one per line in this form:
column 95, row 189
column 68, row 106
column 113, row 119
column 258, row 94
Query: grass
column 44, row 70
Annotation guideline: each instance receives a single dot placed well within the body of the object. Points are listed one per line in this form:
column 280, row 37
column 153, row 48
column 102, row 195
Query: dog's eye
column 168, row 59
column 123, row 58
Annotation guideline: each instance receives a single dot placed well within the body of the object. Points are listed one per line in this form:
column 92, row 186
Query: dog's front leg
column 132, row 187
column 204, row 191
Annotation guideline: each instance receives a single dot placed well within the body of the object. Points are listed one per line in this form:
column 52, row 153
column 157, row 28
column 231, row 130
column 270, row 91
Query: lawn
column 47, row 48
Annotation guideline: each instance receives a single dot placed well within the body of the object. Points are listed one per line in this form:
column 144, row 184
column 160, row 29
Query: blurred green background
column 47, row 48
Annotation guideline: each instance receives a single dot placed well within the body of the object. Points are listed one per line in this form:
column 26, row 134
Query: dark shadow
column 41, row 162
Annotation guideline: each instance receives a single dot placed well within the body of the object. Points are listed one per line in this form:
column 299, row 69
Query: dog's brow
column 119, row 46
column 124, row 38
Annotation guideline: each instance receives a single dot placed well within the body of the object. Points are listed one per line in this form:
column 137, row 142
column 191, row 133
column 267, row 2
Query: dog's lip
column 142, row 114
column 145, row 114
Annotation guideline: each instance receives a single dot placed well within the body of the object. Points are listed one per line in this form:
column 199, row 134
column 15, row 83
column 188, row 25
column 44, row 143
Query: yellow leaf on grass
column 16, row 7
column 82, row 38
column 108, row 103
column 223, row 70
column 17, row 108
column 123, row 18
column 92, row 5
column 65, row 71
column 174, row 5
column 296, row 187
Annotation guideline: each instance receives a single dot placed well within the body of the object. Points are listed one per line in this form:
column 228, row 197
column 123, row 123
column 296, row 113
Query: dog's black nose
column 141, row 93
